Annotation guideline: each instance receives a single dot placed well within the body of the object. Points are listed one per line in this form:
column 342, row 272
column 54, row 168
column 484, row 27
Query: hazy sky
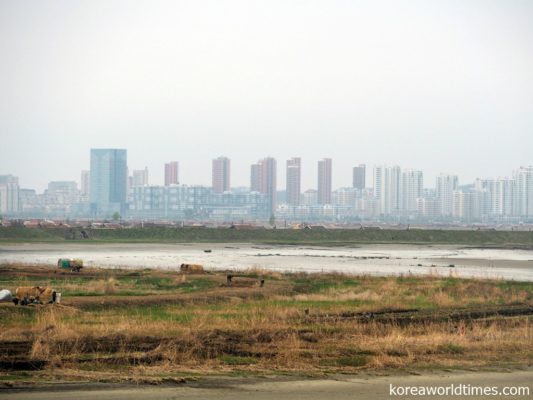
column 441, row 86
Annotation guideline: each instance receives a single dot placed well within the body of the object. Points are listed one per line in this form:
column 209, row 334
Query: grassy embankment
column 316, row 236
column 150, row 325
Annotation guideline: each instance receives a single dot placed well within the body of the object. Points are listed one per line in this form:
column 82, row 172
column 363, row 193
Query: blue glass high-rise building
column 108, row 181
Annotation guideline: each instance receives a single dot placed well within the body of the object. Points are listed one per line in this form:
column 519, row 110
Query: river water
column 509, row 264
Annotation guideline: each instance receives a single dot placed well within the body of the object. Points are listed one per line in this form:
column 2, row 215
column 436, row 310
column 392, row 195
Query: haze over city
column 250, row 199
column 436, row 86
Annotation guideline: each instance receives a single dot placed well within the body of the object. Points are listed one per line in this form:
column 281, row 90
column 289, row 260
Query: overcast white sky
column 441, row 86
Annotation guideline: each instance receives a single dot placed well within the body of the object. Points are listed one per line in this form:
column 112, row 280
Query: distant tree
column 189, row 213
column 272, row 220
column 116, row 216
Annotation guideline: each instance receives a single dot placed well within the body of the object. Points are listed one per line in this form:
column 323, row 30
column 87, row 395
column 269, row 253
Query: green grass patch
column 353, row 361
column 157, row 283
column 403, row 279
column 17, row 314
column 313, row 284
column 449, row 282
column 358, row 360
column 80, row 293
column 195, row 285
column 18, row 376
column 323, row 237
column 421, row 301
column 510, row 285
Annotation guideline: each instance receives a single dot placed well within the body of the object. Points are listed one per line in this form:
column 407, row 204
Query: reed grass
column 289, row 325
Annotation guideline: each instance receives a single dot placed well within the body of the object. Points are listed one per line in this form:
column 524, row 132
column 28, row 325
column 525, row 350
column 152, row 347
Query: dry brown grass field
column 153, row 325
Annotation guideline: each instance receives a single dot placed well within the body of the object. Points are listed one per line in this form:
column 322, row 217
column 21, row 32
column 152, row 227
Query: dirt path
column 344, row 387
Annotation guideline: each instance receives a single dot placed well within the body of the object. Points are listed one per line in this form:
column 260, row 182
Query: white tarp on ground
column 5, row 295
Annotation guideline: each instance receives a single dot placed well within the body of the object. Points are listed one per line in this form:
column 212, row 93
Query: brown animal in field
column 32, row 293
column 192, row 268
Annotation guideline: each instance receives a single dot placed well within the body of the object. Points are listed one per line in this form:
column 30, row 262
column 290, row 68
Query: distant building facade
column 9, row 194
column 221, row 175
column 445, row 187
column 263, row 180
column 411, row 189
column 324, row 181
column 171, row 173
column 85, row 182
column 293, row 181
column 140, row 177
column 63, row 187
column 109, row 178
column 255, row 177
column 182, row 202
column 310, row 197
column 524, row 192
column 471, row 205
column 387, row 189
column 359, row 177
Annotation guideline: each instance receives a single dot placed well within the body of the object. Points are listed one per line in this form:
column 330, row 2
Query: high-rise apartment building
column 524, row 192
column 140, row 177
column 310, row 197
column 269, row 181
column 445, row 186
column 255, row 177
column 63, row 187
column 471, row 205
column 387, row 189
column 411, row 189
column 324, row 181
column 345, row 197
column 9, row 194
column 263, row 180
column 428, row 207
column 501, row 194
column 293, row 188
column 171, row 173
column 221, row 175
column 359, row 177
column 109, row 177
column 85, row 181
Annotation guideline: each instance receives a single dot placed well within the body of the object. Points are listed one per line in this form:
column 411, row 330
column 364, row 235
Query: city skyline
column 397, row 194
column 271, row 199
column 438, row 86
column 157, row 178
column 342, row 177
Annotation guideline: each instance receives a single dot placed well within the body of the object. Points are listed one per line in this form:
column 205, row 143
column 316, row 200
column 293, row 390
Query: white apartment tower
column 324, row 181
column 471, row 206
column 387, row 189
column 446, row 185
column 293, row 182
column 9, row 194
column 140, row 177
column 411, row 189
column 501, row 194
column 524, row 192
